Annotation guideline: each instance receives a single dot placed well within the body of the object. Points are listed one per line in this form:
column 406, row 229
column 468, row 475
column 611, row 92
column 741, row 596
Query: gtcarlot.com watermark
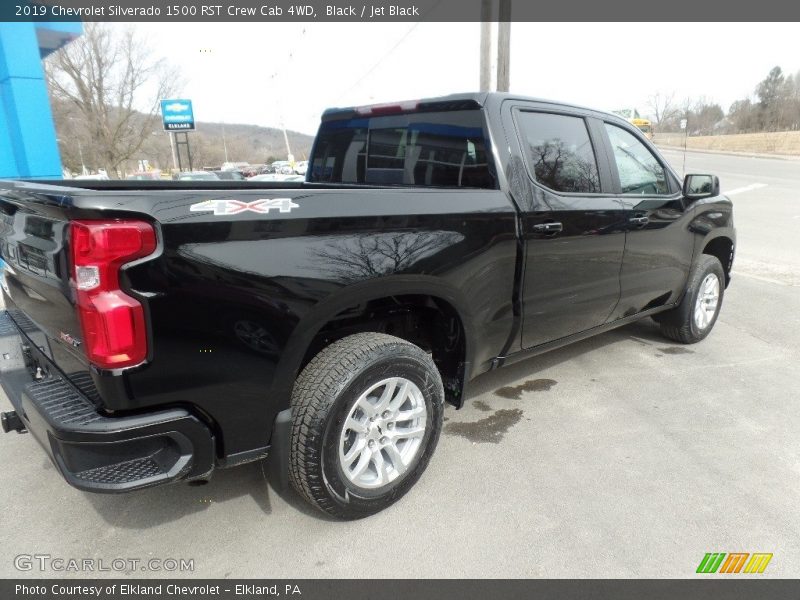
column 45, row 563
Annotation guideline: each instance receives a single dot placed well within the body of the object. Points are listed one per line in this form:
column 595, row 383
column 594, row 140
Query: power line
column 385, row 56
column 277, row 96
column 292, row 48
column 377, row 64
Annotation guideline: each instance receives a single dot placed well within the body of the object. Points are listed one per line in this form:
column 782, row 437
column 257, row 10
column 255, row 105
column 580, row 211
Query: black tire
column 323, row 396
column 679, row 323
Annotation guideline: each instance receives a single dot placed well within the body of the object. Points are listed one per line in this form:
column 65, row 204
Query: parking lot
column 625, row 455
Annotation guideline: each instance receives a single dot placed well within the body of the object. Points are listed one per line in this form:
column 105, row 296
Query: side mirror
column 700, row 186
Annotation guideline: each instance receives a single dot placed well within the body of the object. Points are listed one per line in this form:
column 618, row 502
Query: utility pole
column 224, row 142
column 504, row 46
column 289, row 155
column 486, row 45
column 171, row 135
column 84, row 171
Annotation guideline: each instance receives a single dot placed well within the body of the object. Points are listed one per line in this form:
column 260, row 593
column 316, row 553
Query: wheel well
column 722, row 248
column 427, row 321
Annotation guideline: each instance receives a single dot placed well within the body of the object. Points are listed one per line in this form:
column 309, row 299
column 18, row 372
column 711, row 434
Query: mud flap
column 278, row 458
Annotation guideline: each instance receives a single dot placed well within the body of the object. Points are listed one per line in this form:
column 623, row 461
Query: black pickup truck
column 156, row 331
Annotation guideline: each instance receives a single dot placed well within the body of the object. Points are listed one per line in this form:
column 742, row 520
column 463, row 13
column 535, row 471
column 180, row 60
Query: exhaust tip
column 10, row 421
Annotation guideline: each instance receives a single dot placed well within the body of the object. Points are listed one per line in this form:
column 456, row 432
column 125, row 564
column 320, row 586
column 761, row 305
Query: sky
column 275, row 74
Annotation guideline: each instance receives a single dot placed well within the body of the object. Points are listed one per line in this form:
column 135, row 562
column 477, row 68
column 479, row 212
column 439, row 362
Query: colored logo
column 734, row 562
column 234, row 207
column 177, row 115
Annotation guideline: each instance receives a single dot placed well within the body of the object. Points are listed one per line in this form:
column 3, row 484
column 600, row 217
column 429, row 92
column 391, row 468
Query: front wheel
column 693, row 319
column 366, row 417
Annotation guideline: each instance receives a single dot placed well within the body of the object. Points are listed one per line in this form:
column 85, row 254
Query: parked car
column 265, row 170
column 276, row 177
column 229, row 175
column 92, row 177
column 301, row 167
column 284, row 167
column 196, row 176
column 156, row 332
column 234, row 166
column 251, row 170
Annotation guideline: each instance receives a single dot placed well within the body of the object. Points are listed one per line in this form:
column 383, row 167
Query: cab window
column 428, row 149
column 559, row 152
column 640, row 173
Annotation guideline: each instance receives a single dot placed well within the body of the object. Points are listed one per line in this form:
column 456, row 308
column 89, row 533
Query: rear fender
column 366, row 291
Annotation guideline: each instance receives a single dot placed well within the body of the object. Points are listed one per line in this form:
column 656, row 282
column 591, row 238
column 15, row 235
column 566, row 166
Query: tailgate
column 35, row 275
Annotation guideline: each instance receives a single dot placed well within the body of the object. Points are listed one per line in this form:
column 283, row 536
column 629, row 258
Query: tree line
column 773, row 106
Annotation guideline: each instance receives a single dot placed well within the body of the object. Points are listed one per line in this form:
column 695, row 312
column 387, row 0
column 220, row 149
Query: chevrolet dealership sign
column 177, row 115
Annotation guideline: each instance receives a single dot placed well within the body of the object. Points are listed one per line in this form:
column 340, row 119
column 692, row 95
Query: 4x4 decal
column 234, row 207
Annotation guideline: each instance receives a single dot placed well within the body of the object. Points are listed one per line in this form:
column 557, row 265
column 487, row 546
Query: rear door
column 574, row 230
column 659, row 245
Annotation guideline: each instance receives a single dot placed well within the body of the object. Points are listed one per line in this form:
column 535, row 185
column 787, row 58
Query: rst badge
column 235, row 207
column 65, row 337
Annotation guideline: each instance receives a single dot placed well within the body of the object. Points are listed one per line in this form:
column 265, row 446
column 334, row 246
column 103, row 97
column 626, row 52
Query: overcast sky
column 263, row 73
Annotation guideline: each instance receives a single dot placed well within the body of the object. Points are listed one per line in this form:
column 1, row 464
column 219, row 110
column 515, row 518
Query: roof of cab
column 461, row 101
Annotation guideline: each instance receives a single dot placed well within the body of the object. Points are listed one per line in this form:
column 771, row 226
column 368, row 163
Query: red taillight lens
column 113, row 323
column 388, row 109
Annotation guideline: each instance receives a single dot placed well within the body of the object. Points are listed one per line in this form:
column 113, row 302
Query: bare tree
column 368, row 256
column 108, row 82
column 663, row 108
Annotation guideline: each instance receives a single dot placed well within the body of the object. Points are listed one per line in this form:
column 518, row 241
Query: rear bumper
column 95, row 452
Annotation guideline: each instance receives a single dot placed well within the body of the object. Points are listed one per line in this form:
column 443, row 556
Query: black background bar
column 725, row 587
column 633, row 11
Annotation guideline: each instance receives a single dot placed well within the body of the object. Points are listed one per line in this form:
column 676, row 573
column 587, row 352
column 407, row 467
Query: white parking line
column 747, row 188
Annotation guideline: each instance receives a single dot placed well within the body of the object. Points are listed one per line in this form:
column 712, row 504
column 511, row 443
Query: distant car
column 234, row 166
column 277, row 177
column 144, row 176
column 229, row 175
column 251, row 170
column 282, row 166
column 100, row 176
column 301, row 167
column 197, row 176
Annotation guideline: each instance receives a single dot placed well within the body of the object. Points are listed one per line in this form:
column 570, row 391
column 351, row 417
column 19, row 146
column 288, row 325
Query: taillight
column 113, row 323
column 388, row 109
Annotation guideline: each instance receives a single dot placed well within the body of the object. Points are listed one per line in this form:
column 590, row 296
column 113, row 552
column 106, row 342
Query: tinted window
column 427, row 149
column 559, row 152
column 639, row 171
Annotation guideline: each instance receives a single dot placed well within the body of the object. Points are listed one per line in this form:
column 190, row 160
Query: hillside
column 245, row 143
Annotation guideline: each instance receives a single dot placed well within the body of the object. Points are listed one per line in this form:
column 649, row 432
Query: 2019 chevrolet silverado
column 157, row 331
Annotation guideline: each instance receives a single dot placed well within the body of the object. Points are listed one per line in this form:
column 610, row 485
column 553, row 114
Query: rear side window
column 639, row 171
column 445, row 149
column 559, row 152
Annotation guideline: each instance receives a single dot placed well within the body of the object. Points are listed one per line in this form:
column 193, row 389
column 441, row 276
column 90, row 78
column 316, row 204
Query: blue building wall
column 28, row 146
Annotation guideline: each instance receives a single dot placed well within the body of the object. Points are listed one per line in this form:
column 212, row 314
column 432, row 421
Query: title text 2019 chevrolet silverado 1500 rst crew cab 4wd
column 157, row 331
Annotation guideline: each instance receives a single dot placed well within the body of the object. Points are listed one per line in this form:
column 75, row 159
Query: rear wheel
column 366, row 417
column 694, row 318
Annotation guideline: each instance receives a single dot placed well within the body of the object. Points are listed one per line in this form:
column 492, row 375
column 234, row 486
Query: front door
column 659, row 246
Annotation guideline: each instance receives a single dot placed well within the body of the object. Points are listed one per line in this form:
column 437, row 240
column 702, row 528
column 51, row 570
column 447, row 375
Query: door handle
column 639, row 220
column 548, row 227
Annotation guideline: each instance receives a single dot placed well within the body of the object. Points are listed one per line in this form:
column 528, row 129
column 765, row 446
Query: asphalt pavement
column 625, row 455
